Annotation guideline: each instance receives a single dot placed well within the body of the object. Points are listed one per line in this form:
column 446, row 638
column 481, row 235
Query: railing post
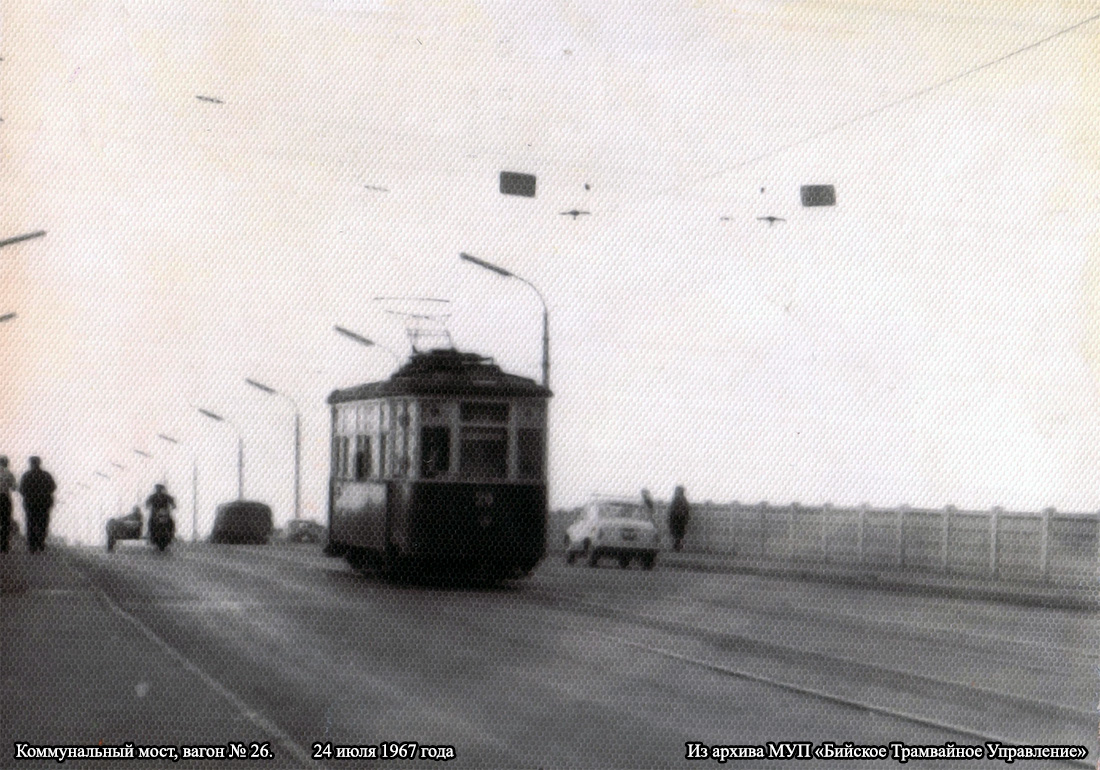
column 947, row 513
column 732, row 526
column 1044, row 544
column 994, row 515
column 862, row 532
column 763, row 530
column 901, row 534
column 790, row 532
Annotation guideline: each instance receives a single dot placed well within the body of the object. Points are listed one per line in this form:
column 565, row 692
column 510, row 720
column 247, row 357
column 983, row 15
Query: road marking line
column 253, row 716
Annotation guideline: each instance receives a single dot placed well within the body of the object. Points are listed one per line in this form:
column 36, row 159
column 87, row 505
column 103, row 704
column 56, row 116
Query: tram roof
column 445, row 372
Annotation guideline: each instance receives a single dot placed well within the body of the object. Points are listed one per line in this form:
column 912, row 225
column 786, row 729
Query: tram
column 440, row 469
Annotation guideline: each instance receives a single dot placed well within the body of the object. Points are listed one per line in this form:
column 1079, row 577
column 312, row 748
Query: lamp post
column 297, row 442
column 118, row 486
column 366, row 342
column 194, row 488
column 545, row 311
column 240, row 448
column 147, row 456
column 103, row 475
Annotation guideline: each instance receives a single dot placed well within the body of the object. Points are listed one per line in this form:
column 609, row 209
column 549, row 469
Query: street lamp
column 545, row 311
column 240, row 448
column 118, row 485
column 194, row 488
column 103, row 475
column 365, row 342
column 297, row 442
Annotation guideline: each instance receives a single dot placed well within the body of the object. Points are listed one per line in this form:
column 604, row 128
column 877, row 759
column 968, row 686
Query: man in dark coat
column 678, row 514
column 37, row 487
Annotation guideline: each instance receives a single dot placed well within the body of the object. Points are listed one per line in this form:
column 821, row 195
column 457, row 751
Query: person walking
column 678, row 514
column 37, row 487
column 7, row 484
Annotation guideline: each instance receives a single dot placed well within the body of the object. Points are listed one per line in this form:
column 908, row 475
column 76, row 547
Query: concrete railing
column 1047, row 546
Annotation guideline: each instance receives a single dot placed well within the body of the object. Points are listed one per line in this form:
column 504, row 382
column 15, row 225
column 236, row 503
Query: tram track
column 968, row 712
column 977, row 696
column 963, row 646
column 1037, row 719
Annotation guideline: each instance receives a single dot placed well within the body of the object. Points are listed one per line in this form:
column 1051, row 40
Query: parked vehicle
column 617, row 527
column 304, row 531
column 242, row 521
column 123, row 528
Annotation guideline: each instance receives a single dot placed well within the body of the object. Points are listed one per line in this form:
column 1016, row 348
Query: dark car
column 304, row 531
column 242, row 521
column 123, row 528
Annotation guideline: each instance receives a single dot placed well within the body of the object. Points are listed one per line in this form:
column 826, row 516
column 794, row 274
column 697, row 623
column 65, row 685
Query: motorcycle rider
column 160, row 499
column 161, row 525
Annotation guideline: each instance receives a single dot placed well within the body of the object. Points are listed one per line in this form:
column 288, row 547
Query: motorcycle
column 162, row 528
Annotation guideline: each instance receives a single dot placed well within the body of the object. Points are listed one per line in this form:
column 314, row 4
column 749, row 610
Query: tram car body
column 440, row 468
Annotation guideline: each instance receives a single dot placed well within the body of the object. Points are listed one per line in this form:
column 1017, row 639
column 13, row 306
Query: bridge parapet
column 1044, row 546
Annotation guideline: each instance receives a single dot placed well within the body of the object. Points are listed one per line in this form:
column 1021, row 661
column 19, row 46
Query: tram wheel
column 648, row 560
column 624, row 561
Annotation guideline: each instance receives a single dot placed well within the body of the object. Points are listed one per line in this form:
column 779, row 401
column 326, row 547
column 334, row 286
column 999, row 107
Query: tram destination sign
column 515, row 183
column 818, row 195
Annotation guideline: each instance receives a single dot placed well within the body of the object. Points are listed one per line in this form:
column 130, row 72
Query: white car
column 620, row 528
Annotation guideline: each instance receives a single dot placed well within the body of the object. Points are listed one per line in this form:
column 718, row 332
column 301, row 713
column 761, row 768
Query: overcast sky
column 933, row 338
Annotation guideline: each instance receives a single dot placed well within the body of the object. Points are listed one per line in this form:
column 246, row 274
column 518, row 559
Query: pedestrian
column 678, row 514
column 37, row 487
column 7, row 484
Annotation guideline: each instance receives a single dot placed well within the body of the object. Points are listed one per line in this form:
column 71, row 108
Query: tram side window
column 435, row 451
column 382, row 454
column 484, row 452
column 345, row 470
column 362, row 457
column 529, row 443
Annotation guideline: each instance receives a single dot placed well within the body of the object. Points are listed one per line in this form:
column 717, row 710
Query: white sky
column 932, row 339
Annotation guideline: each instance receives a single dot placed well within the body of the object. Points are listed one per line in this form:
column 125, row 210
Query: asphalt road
column 575, row 667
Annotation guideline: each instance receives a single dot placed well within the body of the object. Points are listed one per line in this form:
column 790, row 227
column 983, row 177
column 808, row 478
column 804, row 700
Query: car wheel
column 624, row 561
column 110, row 543
column 648, row 560
column 593, row 558
column 570, row 557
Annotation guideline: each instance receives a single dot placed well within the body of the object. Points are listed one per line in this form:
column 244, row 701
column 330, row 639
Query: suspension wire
column 890, row 105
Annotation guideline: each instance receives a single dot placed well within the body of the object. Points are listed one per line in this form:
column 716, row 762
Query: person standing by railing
column 679, row 512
